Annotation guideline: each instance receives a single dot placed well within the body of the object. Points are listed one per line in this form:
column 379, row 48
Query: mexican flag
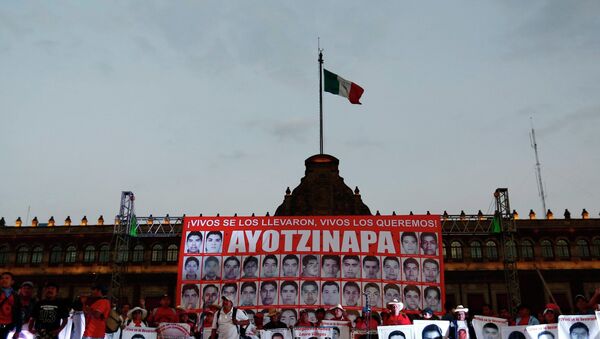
column 335, row 84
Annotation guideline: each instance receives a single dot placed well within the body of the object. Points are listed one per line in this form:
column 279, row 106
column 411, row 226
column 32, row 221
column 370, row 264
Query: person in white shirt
column 225, row 323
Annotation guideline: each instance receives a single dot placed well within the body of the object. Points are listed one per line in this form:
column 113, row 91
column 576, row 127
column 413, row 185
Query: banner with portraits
column 431, row 329
column 278, row 333
column 311, row 262
column 544, row 331
column 488, row 327
column 578, row 327
column 139, row 333
column 514, row 332
column 395, row 332
column 313, row 333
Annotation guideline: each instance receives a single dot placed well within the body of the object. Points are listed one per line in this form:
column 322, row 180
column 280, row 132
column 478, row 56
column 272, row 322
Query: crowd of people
column 46, row 316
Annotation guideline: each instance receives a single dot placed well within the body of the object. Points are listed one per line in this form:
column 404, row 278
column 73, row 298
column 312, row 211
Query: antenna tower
column 538, row 168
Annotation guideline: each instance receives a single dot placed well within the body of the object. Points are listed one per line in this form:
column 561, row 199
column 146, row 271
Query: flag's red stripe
column 355, row 93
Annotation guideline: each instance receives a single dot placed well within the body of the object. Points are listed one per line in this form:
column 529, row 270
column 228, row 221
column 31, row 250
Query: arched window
column 562, row 249
column 36, row 255
column 104, row 254
column 527, row 250
column 123, row 254
column 89, row 254
column 444, row 253
column 547, row 251
column 491, row 250
column 4, row 254
column 172, row 252
column 476, row 252
column 71, row 254
column 56, row 254
column 23, row 255
column 456, row 250
column 583, row 248
column 157, row 253
column 511, row 250
column 595, row 248
column 138, row 253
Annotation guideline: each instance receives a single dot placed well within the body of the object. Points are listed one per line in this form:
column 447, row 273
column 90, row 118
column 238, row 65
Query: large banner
column 309, row 262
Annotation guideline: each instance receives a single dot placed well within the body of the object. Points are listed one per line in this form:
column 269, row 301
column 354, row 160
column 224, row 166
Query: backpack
column 113, row 322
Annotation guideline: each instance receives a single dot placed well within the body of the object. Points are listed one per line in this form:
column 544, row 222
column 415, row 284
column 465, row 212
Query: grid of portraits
column 311, row 280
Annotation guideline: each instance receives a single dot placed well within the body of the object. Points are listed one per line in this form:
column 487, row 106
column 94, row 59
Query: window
column 444, row 254
column 71, row 254
column 456, row 251
column 172, row 252
column 511, row 250
column 547, row 251
column 596, row 248
column 491, row 250
column 23, row 255
column 56, row 255
column 583, row 249
column 89, row 254
column 3, row 255
column 36, row 255
column 138, row 253
column 123, row 254
column 527, row 250
column 104, row 254
column 562, row 249
column 476, row 253
column 157, row 253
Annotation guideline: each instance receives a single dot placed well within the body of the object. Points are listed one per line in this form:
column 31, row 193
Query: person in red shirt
column 397, row 317
column 136, row 316
column 164, row 313
column 338, row 313
column 304, row 320
column 96, row 311
column 10, row 310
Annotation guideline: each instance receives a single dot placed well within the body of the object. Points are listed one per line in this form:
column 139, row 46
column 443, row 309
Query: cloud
column 580, row 119
column 294, row 129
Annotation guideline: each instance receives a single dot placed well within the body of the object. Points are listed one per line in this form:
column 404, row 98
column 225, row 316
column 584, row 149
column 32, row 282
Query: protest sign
column 173, row 331
column 514, row 332
column 545, row 331
column 395, row 332
column 577, row 327
column 139, row 333
column 277, row 333
column 431, row 328
column 312, row 332
column 488, row 327
column 341, row 329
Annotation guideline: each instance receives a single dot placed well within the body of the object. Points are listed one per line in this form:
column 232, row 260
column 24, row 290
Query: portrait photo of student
column 211, row 269
column 428, row 243
column 268, row 293
column 431, row 270
column 371, row 294
column 191, row 268
column 289, row 317
column 229, row 290
column 391, row 292
column 288, row 293
column 412, row 297
column 193, row 242
column 231, row 269
column 351, row 294
column 248, row 295
column 290, row 266
column 270, row 266
column 410, row 269
column 310, row 266
column 391, row 269
column 213, row 242
column 351, row 267
column 330, row 266
column 432, row 298
column 250, row 267
column 409, row 243
column 190, row 296
column 210, row 295
column 370, row 267
column 330, row 293
column 309, row 293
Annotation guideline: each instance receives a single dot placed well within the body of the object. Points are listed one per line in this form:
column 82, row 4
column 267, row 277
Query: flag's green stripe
column 332, row 84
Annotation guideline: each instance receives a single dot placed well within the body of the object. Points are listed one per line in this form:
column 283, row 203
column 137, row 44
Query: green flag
column 496, row 224
column 133, row 226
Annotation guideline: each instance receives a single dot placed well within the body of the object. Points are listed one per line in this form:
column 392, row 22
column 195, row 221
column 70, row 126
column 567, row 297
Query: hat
column 461, row 308
column 224, row 297
column 336, row 306
column 551, row 308
column 272, row 312
column 135, row 309
column 577, row 297
column 396, row 302
column 27, row 283
column 427, row 310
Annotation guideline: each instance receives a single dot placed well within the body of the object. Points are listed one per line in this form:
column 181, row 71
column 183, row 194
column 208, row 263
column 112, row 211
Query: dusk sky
column 212, row 106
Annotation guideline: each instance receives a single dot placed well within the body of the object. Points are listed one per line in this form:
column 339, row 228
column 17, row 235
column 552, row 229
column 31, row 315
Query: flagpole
column 321, row 100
